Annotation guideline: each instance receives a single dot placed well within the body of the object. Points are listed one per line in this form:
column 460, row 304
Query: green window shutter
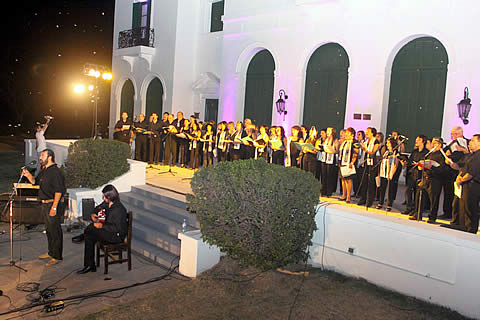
column 259, row 89
column 417, row 89
column 126, row 100
column 216, row 23
column 154, row 99
column 137, row 15
column 326, row 87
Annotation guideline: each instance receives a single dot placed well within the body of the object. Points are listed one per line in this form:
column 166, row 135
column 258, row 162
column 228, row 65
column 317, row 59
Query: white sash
column 370, row 157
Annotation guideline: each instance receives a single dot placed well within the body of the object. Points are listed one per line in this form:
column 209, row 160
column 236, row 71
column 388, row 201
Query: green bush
column 92, row 163
column 260, row 213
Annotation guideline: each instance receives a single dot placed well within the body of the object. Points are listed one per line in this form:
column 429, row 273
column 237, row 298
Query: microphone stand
column 10, row 205
column 421, row 189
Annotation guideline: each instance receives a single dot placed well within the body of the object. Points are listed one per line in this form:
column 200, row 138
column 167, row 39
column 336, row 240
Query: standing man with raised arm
column 52, row 188
column 41, row 142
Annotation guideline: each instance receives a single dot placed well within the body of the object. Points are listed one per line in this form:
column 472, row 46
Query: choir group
column 364, row 163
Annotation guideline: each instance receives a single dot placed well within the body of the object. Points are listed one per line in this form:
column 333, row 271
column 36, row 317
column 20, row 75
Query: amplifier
column 26, row 209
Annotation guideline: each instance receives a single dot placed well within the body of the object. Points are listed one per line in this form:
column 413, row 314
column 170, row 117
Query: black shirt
column 115, row 218
column 141, row 125
column 51, row 181
column 156, row 128
column 472, row 167
column 123, row 135
column 415, row 156
column 441, row 171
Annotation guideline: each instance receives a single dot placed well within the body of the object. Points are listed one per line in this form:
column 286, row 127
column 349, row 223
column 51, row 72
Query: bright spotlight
column 79, row 88
column 107, row 76
column 91, row 87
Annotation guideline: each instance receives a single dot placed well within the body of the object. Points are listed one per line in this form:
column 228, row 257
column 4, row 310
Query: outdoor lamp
column 281, row 106
column 464, row 106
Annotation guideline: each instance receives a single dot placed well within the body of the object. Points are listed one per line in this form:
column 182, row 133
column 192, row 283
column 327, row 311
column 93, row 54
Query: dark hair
column 476, row 136
column 110, row 193
column 393, row 142
column 423, row 137
column 373, row 130
column 351, row 130
column 362, row 133
column 50, row 153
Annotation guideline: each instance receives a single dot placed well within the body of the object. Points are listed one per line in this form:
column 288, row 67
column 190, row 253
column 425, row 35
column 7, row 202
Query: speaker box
column 28, row 212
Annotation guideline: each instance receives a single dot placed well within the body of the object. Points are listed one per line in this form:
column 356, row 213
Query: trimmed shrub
column 260, row 213
column 92, row 163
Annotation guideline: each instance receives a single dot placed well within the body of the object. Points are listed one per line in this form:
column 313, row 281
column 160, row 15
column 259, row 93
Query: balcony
column 143, row 36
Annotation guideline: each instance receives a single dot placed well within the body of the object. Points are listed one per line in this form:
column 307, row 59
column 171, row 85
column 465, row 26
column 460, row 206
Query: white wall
column 371, row 31
column 434, row 264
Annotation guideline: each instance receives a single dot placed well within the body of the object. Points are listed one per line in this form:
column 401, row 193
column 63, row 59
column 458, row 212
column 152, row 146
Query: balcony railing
column 136, row 37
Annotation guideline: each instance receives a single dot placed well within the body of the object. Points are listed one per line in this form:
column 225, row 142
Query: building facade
column 388, row 64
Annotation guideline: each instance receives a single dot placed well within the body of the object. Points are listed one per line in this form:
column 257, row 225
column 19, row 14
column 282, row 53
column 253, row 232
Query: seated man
column 111, row 227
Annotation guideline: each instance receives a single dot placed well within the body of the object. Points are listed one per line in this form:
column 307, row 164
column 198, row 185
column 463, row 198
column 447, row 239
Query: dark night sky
column 48, row 43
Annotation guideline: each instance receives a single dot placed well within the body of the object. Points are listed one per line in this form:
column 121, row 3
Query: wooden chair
column 112, row 249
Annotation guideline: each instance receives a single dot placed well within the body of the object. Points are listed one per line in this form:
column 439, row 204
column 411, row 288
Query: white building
column 388, row 64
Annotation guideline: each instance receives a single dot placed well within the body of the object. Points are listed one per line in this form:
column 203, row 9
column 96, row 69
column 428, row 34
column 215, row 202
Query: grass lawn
column 229, row 292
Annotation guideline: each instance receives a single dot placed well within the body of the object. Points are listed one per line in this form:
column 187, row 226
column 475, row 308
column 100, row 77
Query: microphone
column 31, row 163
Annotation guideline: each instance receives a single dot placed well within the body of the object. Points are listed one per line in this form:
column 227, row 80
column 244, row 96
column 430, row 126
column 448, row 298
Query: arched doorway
column 259, row 88
column 326, row 83
column 417, row 89
column 154, row 99
column 126, row 99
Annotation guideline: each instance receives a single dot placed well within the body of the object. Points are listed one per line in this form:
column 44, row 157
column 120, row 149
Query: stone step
column 162, row 195
column 160, row 208
column 158, row 222
column 155, row 254
column 156, row 238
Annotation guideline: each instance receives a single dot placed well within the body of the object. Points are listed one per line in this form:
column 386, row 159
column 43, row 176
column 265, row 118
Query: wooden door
column 259, row 89
column 417, row 89
column 326, row 83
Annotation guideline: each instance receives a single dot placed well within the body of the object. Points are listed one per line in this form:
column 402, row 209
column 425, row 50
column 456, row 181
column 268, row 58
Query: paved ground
column 63, row 275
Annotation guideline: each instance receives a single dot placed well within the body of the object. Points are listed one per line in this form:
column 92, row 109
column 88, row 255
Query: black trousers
column 447, row 185
column 141, row 147
column 221, row 155
column 155, row 149
column 182, row 152
column 329, row 179
column 411, row 192
column 92, row 235
column 170, row 150
column 357, row 179
column 368, row 185
column 471, row 196
column 194, row 158
column 54, row 230
column 278, row 157
column 207, row 158
column 310, row 163
column 434, row 190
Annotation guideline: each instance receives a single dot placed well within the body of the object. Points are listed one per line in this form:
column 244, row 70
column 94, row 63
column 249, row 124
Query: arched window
column 326, row 87
column 417, row 89
column 126, row 100
column 259, row 88
column 154, row 99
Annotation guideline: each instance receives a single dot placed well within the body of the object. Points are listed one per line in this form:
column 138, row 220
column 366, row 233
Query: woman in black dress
column 309, row 158
column 347, row 157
